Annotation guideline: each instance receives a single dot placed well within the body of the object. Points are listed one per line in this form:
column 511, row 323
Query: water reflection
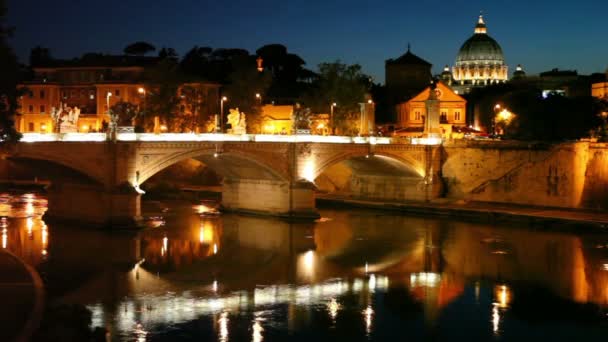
column 288, row 276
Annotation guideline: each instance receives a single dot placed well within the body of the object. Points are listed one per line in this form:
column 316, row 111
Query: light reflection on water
column 359, row 274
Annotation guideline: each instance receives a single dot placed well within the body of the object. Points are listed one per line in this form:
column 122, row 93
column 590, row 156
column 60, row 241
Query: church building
column 480, row 61
column 452, row 110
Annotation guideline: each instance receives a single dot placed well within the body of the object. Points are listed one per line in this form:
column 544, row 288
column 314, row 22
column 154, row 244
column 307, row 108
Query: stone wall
column 569, row 175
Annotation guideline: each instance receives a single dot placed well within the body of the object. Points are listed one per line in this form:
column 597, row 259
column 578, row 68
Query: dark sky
column 540, row 35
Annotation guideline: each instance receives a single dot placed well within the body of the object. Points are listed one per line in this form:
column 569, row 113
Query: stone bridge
column 261, row 174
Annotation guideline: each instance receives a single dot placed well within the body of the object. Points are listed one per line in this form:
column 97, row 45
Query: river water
column 353, row 275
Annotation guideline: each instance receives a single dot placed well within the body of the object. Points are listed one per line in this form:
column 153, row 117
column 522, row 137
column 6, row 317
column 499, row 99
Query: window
column 116, row 92
column 457, row 116
column 31, row 108
column 42, row 109
column 443, row 118
column 31, row 94
column 42, row 94
column 30, row 126
column 417, row 115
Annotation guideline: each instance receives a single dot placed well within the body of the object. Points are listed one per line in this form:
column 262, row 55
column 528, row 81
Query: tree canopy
column 346, row 86
column 9, row 69
column 139, row 48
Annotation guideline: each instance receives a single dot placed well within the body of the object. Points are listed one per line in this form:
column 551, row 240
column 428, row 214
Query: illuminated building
column 480, row 61
column 452, row 110
column 85, row 83
column 276, row 119
column 406, row 76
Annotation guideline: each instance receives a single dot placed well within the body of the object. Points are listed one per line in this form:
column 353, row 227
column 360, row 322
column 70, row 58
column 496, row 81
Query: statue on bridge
column 65, row 119
column 302, row 119
column 237, row 122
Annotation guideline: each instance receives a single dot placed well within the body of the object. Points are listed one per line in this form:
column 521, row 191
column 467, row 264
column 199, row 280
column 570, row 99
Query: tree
column 127, row 113
column 192, row 113
column 168, row 53
column 346, row 86
column 289, row 77
column 162, row 98
column 9, row 69
column 139, row 48
column 246, row 81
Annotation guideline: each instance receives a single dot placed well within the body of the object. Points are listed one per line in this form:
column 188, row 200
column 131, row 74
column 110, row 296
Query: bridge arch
column 228, row 164
column 55, row 168
column 378, row 163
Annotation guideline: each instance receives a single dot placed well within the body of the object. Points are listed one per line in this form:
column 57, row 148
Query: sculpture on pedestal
column 237, row 121
column 65, row 119
column 301, row 119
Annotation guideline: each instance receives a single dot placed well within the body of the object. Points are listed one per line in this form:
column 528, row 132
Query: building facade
column 452, row 110
column 92, row 85
column 405, row 76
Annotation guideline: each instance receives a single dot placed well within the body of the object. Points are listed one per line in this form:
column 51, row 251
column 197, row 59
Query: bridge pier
column 269, row 197
column 93, row 205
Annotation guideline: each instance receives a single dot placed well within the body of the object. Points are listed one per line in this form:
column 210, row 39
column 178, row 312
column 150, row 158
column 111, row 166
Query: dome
column 480, row 60
column 482, row 49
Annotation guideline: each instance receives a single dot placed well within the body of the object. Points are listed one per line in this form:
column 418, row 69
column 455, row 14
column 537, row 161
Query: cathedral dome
column 480, row 60
column 482, row 49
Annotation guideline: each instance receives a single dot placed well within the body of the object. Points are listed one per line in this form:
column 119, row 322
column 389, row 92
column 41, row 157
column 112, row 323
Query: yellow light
column 257, row 331
column 85, row 127
column 308, row 172
column 141, row 90
column 333, row 308
column 320, row 126
column 215, row 248
column 163, row 249
column 505, row 115
column 43, row 127
column 368, row 314
column 163, row 127
column 257, row 95
column 503, row 296
column 224, row 98
column 370, row 101
column 223, row 322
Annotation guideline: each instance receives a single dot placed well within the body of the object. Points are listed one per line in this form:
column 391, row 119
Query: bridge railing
column 190, row 137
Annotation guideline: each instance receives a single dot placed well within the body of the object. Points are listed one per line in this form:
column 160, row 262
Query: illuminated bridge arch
column 228, row 164
column 373, row 163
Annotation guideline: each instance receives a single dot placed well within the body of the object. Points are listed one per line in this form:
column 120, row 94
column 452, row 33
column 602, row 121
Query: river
column 353, row 275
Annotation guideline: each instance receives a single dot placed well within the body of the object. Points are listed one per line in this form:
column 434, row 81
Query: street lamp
column 331, row 117
column 496, row 110
column 142, row 91
column 259, row 98
column 222, row 100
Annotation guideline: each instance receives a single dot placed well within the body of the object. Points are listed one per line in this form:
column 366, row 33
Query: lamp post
column 331, row 117
column 142, row 91
column 496, row 110
column 112, row 124
column 259, row 98
column 220, row 128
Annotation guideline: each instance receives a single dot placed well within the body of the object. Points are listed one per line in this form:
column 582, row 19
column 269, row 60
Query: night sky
column 540, row 35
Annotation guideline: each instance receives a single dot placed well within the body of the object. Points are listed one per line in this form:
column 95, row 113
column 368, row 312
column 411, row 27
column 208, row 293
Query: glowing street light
column 221, row 126
column 142, row 91
column 259, row 98
column 331, row 117
column 108, row 95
